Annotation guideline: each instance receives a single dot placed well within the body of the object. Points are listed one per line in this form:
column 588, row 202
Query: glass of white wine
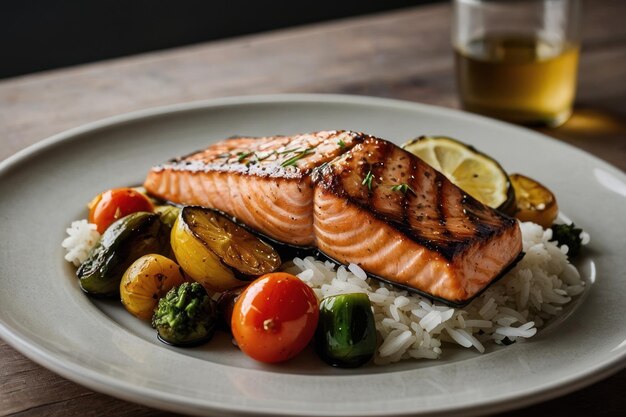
column 517, row 60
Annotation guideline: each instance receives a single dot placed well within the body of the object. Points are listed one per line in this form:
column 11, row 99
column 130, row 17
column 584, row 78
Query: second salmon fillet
column 358, row 199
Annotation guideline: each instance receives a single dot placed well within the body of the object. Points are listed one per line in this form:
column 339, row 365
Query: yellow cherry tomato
column 145, row 281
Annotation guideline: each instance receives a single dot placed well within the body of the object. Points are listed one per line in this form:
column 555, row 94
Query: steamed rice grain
column 82, row 237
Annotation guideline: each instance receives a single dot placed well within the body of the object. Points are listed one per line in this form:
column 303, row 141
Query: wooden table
column 403, row 54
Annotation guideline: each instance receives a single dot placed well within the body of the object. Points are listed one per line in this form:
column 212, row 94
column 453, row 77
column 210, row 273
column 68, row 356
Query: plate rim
column 152, row 397
column 156, row 111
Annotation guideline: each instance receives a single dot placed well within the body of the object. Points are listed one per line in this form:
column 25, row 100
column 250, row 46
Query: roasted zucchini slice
column 218, row 253
column 126, row 240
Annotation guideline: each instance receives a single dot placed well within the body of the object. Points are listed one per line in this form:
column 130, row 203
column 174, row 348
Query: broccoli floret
column 186, row 316
column 567, row 234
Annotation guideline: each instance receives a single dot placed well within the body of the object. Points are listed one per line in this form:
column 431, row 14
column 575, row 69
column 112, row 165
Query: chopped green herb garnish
column 290, row 150
column 267, row 155
column 341, row 143
column 404, row 188
column 243, row 155
column 294, row 159
column 368, row 179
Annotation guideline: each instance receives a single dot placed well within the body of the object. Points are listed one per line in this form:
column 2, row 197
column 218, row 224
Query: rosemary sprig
column 294, row 159
column 368, row 179
column 403, row 188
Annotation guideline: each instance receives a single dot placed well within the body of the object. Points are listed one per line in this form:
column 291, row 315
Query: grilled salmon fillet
column 357, row 199
column 386, row 210
column 263, row 182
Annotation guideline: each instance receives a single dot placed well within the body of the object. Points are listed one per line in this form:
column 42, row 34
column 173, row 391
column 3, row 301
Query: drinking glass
column 517, row 60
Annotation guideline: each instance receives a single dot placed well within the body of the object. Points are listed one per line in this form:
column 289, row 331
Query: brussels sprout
column 186, row 316
column 122, row 243
column 346, row 333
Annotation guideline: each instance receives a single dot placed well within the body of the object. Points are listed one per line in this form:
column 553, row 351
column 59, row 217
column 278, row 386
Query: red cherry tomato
column 114, row 204
column 275, row 317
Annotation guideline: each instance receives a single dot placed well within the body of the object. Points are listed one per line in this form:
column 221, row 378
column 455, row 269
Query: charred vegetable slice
column 186, row 316
column 122, row 243
column 534, row 201
column 217, row 252
column 346, row 333
column 145, row 281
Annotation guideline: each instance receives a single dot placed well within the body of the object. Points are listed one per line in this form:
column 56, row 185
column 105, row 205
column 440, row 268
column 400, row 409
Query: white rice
column 411, row 326
column 83, row 236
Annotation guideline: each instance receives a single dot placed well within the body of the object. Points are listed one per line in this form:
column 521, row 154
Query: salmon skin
column 357, row 199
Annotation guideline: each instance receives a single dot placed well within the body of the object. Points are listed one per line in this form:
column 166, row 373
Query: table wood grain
column 402, row 54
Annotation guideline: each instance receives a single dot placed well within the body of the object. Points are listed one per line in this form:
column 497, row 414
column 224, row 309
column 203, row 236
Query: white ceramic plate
column 44, row 314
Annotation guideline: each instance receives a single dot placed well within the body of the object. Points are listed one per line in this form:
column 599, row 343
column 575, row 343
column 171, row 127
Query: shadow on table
column 590, row 123
column 598, row 131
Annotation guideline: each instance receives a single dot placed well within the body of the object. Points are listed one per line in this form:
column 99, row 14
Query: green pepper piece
column 168, row 214
column 125, row 241
column 346, row 333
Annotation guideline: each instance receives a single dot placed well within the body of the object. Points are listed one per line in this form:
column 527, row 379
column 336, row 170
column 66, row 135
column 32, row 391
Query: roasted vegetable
column 346, row 333
column 122, row 243
column 168, row 214
column 186, row 316
column 114, row 204
column 275, row 317
column 534, row 201
column 226, row 305
column 145, row 281
column 218, row 253
column 570, row 235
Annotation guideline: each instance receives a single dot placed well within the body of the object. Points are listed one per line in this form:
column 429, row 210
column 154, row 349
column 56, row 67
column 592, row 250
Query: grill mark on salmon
column 356, row 198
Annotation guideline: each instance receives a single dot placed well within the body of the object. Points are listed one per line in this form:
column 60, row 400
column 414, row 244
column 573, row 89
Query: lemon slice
column 477, row 174
column 534, row 202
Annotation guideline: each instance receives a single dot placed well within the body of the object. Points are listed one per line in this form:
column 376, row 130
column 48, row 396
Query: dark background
column 36, row 35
